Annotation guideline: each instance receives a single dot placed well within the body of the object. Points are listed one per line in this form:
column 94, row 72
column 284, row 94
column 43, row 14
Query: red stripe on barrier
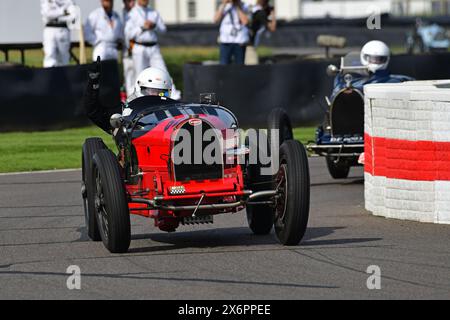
column 408, row 160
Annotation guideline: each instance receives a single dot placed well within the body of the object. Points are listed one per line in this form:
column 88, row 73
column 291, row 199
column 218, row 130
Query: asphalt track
column 42, row 233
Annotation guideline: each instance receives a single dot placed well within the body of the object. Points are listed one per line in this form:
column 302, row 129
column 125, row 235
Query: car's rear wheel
column 111, row 203
column 90, row 148
column 338, row 170
column 293, row 185
column 259, row 216
column 279, row 120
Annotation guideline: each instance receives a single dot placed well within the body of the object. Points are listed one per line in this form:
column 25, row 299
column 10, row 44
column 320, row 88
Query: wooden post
column 82, row 42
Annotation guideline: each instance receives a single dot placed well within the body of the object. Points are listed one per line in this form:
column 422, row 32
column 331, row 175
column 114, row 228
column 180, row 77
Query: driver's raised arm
column 97, row 113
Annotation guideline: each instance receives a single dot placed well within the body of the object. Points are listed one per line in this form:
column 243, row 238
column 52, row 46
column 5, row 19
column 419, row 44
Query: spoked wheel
column 293, row 186
column 102, row 215
column 111, row 203
column 90, row 148
column 281, row 182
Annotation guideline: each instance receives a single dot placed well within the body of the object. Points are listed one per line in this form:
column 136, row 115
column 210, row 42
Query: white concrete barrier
column 407, row 150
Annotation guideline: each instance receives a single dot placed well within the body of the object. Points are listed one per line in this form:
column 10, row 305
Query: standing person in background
column 104, row 31
column 234, row 34
column 128, row 65
column 142, row 26
column 55, row 14
column 263, row 19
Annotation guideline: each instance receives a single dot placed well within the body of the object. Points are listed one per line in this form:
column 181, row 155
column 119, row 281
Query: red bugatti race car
column 147, row 178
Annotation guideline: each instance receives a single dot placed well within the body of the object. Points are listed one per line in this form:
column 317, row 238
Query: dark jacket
column 93, row 108
column 359, row 81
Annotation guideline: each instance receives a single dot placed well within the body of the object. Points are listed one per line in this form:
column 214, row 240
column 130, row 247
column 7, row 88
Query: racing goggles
column 376, row 59
column 155, row 92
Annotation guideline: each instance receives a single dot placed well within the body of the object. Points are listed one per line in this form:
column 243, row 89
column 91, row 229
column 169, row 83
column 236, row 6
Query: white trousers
column 145, row 57
column 56, row 47
column 129, row 74
column 106, row 51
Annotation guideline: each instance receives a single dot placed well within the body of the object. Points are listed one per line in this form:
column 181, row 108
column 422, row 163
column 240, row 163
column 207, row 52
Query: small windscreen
column 153, row 110
column 352, row 59
column 375, row 59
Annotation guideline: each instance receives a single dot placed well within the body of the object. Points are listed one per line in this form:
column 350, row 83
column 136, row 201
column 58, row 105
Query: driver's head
column 153, row 82
column 375, row 55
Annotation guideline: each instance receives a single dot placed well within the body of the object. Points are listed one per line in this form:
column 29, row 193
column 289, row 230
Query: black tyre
column 259, row 217
column 90, row 148
column 292, row 181
column 278, row 119
column 111, row 203
column 339, row 170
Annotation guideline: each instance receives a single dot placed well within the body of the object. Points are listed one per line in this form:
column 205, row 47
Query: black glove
column 94, row 72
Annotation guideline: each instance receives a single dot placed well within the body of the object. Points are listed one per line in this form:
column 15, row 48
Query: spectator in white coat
column 141, row 29
column 104, row 31
column 128, row 65
column 55, row 14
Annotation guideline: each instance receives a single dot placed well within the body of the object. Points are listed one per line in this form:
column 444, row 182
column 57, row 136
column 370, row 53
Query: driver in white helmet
column 375, row 56
column 150, row 82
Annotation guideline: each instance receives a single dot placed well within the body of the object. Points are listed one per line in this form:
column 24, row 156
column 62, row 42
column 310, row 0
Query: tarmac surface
column 42, row 234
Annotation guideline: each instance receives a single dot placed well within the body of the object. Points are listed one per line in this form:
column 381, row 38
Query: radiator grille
column 193, row 169
column 347, row 113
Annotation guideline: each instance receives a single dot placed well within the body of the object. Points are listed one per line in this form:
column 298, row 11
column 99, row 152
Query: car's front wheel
column 293, row 186
column 90, row 148
column 111, row 203
column 338, row 170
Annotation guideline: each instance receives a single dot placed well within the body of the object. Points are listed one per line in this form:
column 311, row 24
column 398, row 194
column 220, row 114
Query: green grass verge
column 62, row 149
column 45, row 150
column 305, row 135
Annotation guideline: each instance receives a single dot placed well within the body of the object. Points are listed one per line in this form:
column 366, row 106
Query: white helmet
column 153, row 82
column 375, row 55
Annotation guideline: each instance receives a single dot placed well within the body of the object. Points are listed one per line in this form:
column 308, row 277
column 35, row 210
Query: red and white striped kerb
column 407, row 150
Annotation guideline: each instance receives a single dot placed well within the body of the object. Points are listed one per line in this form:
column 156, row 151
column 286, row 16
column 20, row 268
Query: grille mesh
column 200, row 170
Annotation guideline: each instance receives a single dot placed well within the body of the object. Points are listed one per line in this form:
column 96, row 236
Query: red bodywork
column 156, row 178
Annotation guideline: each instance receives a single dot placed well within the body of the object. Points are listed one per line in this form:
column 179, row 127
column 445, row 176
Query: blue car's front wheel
column 338, row 170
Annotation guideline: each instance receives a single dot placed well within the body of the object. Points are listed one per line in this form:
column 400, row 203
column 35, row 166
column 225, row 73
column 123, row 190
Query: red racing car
column 147, row 178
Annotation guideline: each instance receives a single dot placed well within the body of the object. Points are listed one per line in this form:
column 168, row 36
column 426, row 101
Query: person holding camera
column 263, row 19
column 234, row 33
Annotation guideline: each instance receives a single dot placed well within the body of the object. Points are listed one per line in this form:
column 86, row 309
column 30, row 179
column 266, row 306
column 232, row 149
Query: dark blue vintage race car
column 340, row 138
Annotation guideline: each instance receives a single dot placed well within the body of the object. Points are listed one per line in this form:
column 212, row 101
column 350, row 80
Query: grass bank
column 61, row 149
